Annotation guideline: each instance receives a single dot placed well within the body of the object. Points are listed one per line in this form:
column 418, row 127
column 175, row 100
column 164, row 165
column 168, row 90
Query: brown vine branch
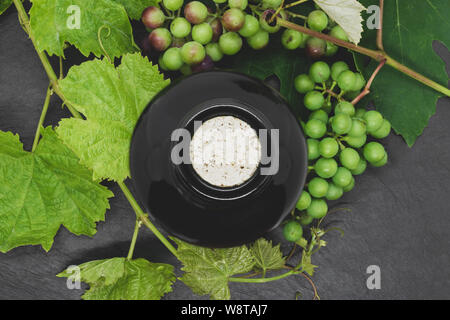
column 366, row 90
column 380, row 27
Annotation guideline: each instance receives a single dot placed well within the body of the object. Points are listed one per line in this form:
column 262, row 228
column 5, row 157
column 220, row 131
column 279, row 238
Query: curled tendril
column 99, row 37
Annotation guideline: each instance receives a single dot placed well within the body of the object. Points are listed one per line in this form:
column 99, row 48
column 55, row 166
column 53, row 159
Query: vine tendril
column 99, row 37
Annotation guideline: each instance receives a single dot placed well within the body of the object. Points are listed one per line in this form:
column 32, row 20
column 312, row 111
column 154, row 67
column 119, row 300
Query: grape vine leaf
column 4, row 5
column 207, row 270
column 275, row 60
column 134, row 8
column 91, row 26
column 122, row 279
column 347, row 14
column 267, row 256
column 112, row 99
column 406, row 103
column 43, row 190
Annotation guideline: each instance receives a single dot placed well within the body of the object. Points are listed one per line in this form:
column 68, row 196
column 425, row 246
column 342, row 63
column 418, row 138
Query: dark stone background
column 399, row 219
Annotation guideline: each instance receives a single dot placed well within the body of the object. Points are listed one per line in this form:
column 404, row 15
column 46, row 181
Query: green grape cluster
column 341, row 139
column 189, row 37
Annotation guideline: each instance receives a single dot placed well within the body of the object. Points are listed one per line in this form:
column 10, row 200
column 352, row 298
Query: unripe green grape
column 313, row 100
column 328, row 147
column 259, row 40
column 343, row 177
column 317, row 20
column 315, row 128
column 172, row 59
column 325, row 168
column 349, row 158
column 341, row 123
column 173, row 5
column 233, row 19
column 292, row 231
column 345, row 107
column 359, row 113
column 195, row 12
column 350, row 186
column 305, row 219
column 303, row 83
column 192, row 52
column 316, row 47
column 317, row 209
column 272, row 4
column 331, row 49
column 202, row 33
column 240, row 4
column 230, row 43
column 318, row 187
column 334, row 192
column 356, row 141
column 186, row 69
column 360, row 82
column 382, row 162
column 374, row 152
column 374, row 120
column 214, row 52
column 160, row 39
column 319, row 71
column 358, row 128
column 291, row 39
column 305, row 38
column 338, row 33
column 337, row 68
column 250, row 27
column 313, row 149
column 319, row 115
column 362, row 165
column 265, row 25
column 304, row 201
column 346, row 80
column 383, row 131
column 161, row 64
column 153, row 17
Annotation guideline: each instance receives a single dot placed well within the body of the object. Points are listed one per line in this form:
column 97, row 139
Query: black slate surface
column 399, row 219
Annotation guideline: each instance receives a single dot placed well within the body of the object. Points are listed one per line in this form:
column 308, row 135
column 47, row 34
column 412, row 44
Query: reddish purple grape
column 217, row 28
column 195, row 12
column 233, row 19
column 153, row 17
column 205, row 65
column 160, row 39
column 316, row 47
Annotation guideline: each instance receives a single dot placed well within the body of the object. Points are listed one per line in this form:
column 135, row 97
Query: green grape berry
column 349, row 158
column 338, row 33
column 356, row 141
column 259, row 40
column 303, row 83
column 313, row 149
column 271, row 4
column 358, row 128
column 195, row 12
column 359, row 113
column 240, row 4
column 350, row 186
column 291, row 39
column 173, row 5
column 186, row 69
column 362, row 165
column 233, row 19
column 153, row 17
column 342, row 177
column 345, row 107
column 202, row 33
column 382, row 162
column 341, row 123
column 305, row 219
column 172, row 59
column 317, row 20
column 317, row 209
column 192, row 53
column 163, row 67
column 383, row 131
column 346, row 80
column 337, row 68
column 264, row 23
column 230, row 43
column 360, row 82
column 328, row 147
column 250, row 27
column 319, row 71
column 320, row 115
column 180, row 27
column 374, row 152
column 313, row 100
column 331, row 49
column 304, row 201
column 315, row 128
column 318, row 187
column 325, row 168
column 374, row 120
column 334, row 192
column 292, row 231
column 214, row 52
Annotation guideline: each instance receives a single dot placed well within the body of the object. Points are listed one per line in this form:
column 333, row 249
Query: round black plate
column 185, row 205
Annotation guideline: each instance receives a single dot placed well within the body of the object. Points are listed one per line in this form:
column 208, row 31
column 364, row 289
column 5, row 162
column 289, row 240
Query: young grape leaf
column 134, row 8
column 112, row 99
column 275, row 60
column 266, row 255
column 4, row 5
column 207, row 270
column 122, row 279
column 406, row 103
column 43, row 190
column 91, row 26
column 306, row 265
column 347, row 14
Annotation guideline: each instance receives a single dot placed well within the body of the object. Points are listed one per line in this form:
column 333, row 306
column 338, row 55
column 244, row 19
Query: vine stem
column 377, row 55
column 143, row 217
column 264, row 280
column 133, row 240
column 42, row 118
column 366, row 90
column 380, row 30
